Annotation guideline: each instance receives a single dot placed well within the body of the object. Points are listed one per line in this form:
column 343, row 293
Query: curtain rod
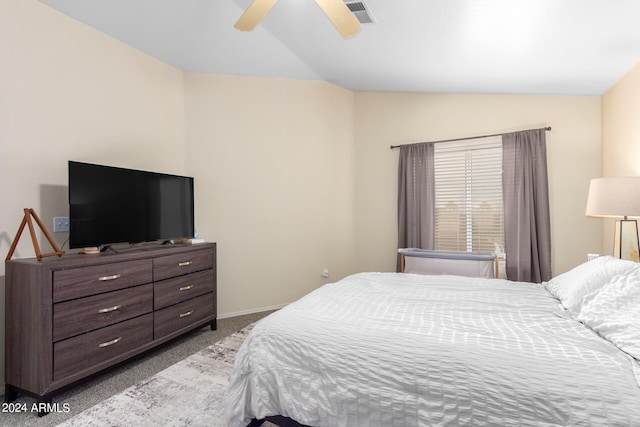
column 548, row 128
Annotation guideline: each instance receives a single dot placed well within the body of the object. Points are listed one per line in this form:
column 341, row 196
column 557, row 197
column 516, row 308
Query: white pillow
column 572, row 286
column 613, row 312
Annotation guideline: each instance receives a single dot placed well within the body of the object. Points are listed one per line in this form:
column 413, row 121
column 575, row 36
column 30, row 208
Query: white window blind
column 468, row 195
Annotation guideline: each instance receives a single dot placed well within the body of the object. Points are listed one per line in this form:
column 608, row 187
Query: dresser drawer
column 85, row 281
column 86, row 314
column 172, row 291
column 183, row 315
column 89, row 350
column 168, row 266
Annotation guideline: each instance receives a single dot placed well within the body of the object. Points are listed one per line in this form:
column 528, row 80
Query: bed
column 394, row 349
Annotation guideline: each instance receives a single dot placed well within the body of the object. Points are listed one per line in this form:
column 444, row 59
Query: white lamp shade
column 614, row 197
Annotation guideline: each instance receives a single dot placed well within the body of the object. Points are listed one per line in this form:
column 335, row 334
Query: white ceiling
column 550, row 47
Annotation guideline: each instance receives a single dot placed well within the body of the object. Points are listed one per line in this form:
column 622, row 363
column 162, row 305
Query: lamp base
column 626, row 243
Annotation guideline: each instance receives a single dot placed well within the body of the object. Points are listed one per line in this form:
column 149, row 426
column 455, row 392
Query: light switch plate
column 60, row 224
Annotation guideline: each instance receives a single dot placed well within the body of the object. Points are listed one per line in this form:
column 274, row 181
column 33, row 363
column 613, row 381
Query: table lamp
column 618, row 198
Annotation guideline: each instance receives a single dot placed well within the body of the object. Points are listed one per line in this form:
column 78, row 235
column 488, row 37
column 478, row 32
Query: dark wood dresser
column 70, row 317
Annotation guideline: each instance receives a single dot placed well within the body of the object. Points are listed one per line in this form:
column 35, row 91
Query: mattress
column 392, row 349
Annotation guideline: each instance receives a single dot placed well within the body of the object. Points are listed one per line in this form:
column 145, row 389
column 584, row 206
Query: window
column 468, row 195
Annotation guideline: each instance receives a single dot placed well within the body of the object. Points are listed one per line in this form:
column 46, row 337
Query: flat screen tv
column 109, row 205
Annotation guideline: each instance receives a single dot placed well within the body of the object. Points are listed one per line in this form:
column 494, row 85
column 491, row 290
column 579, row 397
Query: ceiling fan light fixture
column 336, row 10
column 254, row 14
column 340, row 16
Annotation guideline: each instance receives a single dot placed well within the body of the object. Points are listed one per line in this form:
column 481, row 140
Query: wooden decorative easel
column 28, row 214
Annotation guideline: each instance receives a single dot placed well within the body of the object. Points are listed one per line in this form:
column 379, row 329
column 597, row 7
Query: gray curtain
column 527, row 230
column 416, row 197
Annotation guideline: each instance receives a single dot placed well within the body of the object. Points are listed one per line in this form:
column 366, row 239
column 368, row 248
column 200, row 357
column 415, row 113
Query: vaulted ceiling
column 550, row 47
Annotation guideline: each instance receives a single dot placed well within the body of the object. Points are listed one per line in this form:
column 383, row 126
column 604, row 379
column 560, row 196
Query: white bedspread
column 386, row 349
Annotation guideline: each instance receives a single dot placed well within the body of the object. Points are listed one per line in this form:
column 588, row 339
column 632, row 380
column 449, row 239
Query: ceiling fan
column 337, row 12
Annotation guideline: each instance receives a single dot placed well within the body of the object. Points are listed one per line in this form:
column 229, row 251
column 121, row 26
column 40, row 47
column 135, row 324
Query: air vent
column 361, row 10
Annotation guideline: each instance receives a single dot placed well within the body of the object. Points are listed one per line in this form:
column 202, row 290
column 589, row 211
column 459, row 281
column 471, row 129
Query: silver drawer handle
column 184, row 264
column 105, row 278
column 188, row 313
column 110, row 309
column 108, row 343
column 186, row 288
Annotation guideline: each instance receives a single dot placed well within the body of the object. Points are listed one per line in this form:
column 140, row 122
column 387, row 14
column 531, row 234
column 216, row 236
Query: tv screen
column 110, row 205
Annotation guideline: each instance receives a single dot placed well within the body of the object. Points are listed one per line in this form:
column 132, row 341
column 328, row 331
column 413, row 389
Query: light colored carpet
column 188, row 393
column 104, row 385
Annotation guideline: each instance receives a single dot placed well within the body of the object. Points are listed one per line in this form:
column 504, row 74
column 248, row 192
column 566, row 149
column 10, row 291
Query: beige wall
column 620, row 136
column 573, row 149
column 621, row 126
column 70, row 92
column 273, row 166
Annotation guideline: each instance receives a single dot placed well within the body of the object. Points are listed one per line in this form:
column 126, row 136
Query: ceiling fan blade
column 254, row 14
column 341, row 17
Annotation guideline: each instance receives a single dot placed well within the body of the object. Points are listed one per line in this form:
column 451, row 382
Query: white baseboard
column 251, row 311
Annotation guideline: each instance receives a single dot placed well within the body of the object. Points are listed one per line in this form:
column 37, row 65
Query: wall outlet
column 60, row 224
